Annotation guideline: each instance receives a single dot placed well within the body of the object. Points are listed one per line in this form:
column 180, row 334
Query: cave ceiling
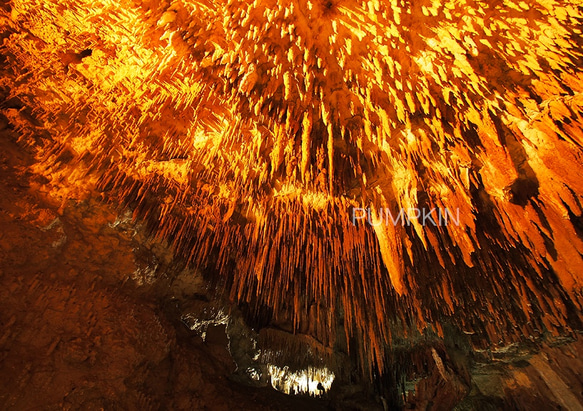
column 268, row 141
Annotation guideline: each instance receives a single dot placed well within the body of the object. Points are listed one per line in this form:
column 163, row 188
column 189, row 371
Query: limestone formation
column 272, row 145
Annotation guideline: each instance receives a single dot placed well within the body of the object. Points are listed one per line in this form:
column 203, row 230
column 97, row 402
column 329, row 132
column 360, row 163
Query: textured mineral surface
column 377, row 203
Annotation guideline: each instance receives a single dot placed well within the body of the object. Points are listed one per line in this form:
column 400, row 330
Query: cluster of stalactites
column 248, row 133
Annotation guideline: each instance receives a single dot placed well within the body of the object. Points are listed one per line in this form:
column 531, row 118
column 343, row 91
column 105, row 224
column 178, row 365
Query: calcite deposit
column 265, row 143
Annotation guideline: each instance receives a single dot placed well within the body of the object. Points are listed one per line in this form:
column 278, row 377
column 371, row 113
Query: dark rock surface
column 78, row 331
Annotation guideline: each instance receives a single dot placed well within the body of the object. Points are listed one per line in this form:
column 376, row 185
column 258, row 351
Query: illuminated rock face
column 82, row 330
column 269, row 141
